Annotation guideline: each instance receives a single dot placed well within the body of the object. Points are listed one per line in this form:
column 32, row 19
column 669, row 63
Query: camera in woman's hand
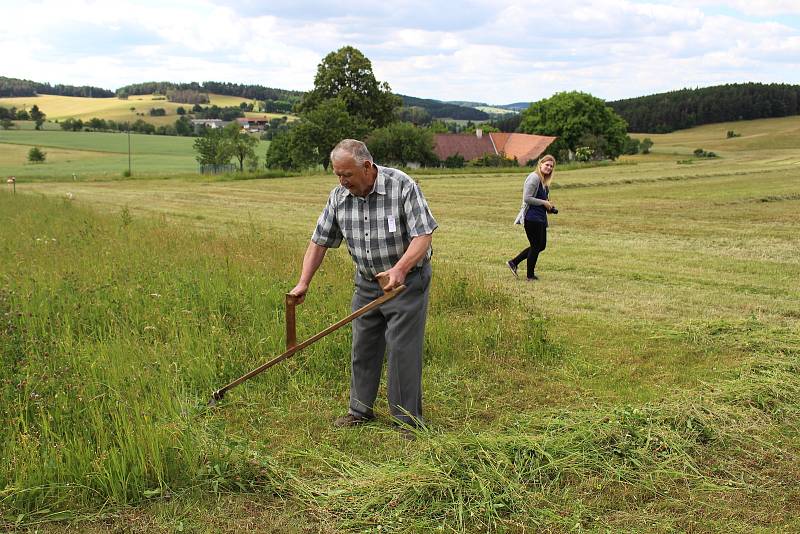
column 553, row 210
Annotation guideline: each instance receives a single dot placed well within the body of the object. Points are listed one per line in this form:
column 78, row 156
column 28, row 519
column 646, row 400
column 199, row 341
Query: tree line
column 677, row 110
column 11, row 87
column 7, row 115
column 252, row 92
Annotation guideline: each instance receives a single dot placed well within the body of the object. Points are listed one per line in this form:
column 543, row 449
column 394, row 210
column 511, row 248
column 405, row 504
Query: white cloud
column 490, row 50
column 750, row 8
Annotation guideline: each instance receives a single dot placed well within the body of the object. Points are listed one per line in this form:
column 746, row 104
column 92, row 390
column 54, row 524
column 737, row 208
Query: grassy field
column 648, row 382
column 63, row 107
column 97, row 155
column 135, row 107
column 495, row 110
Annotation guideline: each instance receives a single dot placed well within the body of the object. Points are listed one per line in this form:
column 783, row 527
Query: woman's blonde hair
column 549, row 178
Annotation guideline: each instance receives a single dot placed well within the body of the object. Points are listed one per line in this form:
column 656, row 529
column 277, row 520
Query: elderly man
column 384, row 218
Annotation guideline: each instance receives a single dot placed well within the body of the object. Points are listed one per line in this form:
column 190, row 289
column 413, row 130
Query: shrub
column 36, row 155
column 402, row 142
column 631, row 145
column 584, row 153
column 456, row 161
column 700, row 153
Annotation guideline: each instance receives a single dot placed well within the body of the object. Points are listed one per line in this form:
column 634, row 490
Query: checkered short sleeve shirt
column 378, row 228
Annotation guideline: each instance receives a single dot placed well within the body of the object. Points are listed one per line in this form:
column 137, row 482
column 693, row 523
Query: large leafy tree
column 242, row 144
column 280, row 153
column 402, row 143
column 218, row 145
column 38, row 116
column 347, row 75
column 577, row 119
column 321, row 128
column 346, row 102
column 213, row 148
column 311, row 139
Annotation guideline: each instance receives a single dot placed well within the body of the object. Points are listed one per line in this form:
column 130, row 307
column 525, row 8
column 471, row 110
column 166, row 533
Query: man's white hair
column 355, row 148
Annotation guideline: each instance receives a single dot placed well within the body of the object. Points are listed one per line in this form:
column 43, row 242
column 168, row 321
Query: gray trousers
column 398, row 325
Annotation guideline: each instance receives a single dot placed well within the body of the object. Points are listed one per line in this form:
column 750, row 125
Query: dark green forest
column 443, row 110
column 10, row 87
column 255, row 92
column 676, row 110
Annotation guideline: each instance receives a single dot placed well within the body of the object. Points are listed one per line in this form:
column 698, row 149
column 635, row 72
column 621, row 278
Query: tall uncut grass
column 115, row 331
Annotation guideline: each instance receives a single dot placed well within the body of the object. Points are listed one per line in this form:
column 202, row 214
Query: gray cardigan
column 529, row 196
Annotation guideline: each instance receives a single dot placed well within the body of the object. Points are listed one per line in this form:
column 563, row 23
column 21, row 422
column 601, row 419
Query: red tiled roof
column 500, row 139
column 468, row 146
column 524, row 147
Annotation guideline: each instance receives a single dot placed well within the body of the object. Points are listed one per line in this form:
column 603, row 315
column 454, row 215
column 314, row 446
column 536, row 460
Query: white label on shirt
column 392, row 226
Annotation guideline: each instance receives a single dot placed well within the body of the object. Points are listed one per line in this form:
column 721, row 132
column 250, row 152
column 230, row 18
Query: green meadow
column 649, row 382
column 97, row 155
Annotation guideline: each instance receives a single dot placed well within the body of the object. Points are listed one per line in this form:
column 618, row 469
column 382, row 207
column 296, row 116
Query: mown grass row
column 116, row 330
column 548, row 470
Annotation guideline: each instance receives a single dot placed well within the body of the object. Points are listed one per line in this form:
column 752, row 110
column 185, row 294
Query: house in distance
column 525, row 148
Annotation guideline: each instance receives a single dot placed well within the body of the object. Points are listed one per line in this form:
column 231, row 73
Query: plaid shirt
column 378, row 227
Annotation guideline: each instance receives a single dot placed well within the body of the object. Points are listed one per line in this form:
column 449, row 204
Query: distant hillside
column 134, row 108
column 466, row 103
column 253, row 92
column 516, row 106
column 11, row 87
column 678, row 110
column 443, row 110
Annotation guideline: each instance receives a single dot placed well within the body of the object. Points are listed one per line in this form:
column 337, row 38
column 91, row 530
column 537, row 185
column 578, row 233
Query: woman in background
column 535, row 206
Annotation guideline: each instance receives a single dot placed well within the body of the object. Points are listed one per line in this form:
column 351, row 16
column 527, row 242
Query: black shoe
column 350, row 420
column 531, row 279
column 512, row 267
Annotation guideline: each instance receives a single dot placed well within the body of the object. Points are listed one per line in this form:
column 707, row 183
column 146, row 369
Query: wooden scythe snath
column 292, row 347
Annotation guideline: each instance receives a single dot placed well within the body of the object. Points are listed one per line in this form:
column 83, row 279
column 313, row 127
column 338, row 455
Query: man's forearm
column 416, row 250
column 311, row 262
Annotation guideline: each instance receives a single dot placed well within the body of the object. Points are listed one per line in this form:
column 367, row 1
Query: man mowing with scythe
column 387, row 224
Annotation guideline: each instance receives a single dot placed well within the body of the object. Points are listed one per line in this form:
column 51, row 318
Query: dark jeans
column 537, row 237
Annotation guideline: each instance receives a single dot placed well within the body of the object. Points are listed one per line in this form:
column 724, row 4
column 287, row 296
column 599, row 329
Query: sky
column 492, row 51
